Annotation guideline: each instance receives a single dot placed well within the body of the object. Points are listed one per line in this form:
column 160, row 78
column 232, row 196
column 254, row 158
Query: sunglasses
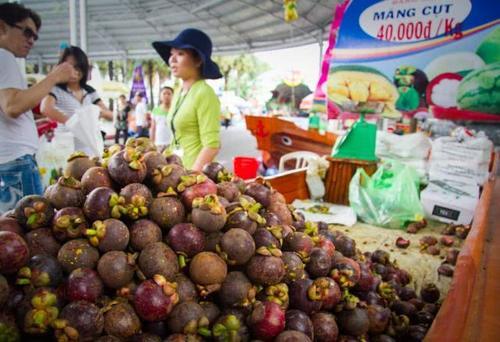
column 27, row 32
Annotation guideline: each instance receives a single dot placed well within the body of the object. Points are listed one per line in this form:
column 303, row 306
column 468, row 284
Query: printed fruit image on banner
column 392, row 57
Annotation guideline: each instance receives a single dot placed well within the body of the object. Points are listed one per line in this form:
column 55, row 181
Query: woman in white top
column 160, row 131
column 66, row 98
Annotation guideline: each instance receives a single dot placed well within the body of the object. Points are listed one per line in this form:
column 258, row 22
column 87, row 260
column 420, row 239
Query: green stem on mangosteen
column 182, row 260
column 32, row 219
column 205, row 332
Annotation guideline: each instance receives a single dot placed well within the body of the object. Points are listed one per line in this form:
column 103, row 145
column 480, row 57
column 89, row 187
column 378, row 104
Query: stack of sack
column 411, row 150
column 458, row 167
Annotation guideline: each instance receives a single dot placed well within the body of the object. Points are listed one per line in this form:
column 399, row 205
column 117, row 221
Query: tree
column 240, row 72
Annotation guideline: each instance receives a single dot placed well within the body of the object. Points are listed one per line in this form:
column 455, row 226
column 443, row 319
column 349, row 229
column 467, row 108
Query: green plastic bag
column 389, row 198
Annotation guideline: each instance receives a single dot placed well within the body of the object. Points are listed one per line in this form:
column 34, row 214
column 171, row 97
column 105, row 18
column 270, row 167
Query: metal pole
column 72, row 22
column 321, row 47
column 40, row 64
column 83, row 25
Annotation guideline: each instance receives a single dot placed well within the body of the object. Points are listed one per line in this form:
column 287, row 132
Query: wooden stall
column 276, row 137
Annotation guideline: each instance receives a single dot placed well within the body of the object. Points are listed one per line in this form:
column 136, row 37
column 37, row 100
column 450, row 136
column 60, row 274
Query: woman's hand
column 105, row 113
column 207, row 154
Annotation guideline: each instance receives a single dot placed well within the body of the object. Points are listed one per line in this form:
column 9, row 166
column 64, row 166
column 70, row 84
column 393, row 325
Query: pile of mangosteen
column 137, row 248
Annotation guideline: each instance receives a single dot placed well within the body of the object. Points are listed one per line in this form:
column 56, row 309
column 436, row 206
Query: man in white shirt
column 19, row 174
column 140, row 112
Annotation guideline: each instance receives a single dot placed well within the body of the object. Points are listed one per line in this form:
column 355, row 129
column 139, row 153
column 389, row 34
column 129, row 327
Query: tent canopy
column 125, row 28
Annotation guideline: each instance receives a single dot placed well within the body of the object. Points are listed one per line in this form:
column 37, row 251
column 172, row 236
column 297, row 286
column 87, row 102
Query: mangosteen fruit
column 299, row 321
column 327, row 291
column 8, row 328
column 410, row 76
column 34, row 211
column 303, row 296
column 299, row 243
column 188, row 318
column 240, row 218
column 403, row 308
column 264, row 238
column 154, row 299
column 79, row 319
column 127, row 167
column 14, row 252
column 108, row 235
column 367, row 281
column 42, row 241
column 66, row 192
column 172, row 158
column 77, row 253
column 153, row 161
column 167, row 211
column 320, row 263
column 462, row 231
column 265, row 270
column 208, row 272
column 229, row 191
column 324, row 327
column 4, row 290
column 41, row 271
column 212, row 311
column 275, row 293
column 116, row 268
column 138, row 198
column 166, row 178
column 194, row 186
column 108, row 152
column 416, row 333
column 39, row 311
column 158, row 258
column 144, row 232
column 96, row 177
column 77, row 164
column 406, row 293
column 10, row 224
column 84, row 284
column 267, row 320
column 445, row 270
column 236, row 291
column 120, row 320
column 259, row 191
column 141, row 144
column 186, row 240
column 185, row 288
column 212, row 240
column 282, row 211
column 103, row 203
column 379, row 318
column 354, row 322
column 230, row 327
column 292, row 336
column 294, row 267
column 236, row 247
column 346, row 272
column 69, row 223
column 208, row 213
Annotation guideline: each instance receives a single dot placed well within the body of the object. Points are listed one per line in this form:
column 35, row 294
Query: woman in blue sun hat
column 194, row 115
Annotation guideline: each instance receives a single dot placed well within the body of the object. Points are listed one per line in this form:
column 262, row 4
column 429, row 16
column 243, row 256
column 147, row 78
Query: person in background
column 19, row 175
column 121, row 124
column 140, row 113
column 195, row 113
column 160, row 132
column 65, row 98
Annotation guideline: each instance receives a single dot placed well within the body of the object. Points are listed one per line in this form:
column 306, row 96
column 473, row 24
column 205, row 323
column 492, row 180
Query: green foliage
column 240, row 72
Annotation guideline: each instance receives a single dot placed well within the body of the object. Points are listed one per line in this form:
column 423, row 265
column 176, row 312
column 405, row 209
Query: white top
column 19, row 136
column 140, row 114
column 163, row 133
column 68, row 104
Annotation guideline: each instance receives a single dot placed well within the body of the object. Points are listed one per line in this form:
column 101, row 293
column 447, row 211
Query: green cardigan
column 196, row 121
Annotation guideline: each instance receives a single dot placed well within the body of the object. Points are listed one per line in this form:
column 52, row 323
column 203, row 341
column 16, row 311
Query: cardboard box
column 450, row 202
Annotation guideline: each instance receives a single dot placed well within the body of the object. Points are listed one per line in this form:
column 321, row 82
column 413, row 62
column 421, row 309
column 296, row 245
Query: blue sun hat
column 191, row 39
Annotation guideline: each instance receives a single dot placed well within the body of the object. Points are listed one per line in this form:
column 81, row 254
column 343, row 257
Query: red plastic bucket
column 245, row 167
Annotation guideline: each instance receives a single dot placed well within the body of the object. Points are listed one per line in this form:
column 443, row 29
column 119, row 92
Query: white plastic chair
column 301, row 159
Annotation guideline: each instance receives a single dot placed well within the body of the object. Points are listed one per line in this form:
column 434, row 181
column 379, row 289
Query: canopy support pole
column 72, row 22
column 83, row 25
column 321, row 32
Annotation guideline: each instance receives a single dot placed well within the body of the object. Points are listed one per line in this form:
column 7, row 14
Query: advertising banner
column 403, row 56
